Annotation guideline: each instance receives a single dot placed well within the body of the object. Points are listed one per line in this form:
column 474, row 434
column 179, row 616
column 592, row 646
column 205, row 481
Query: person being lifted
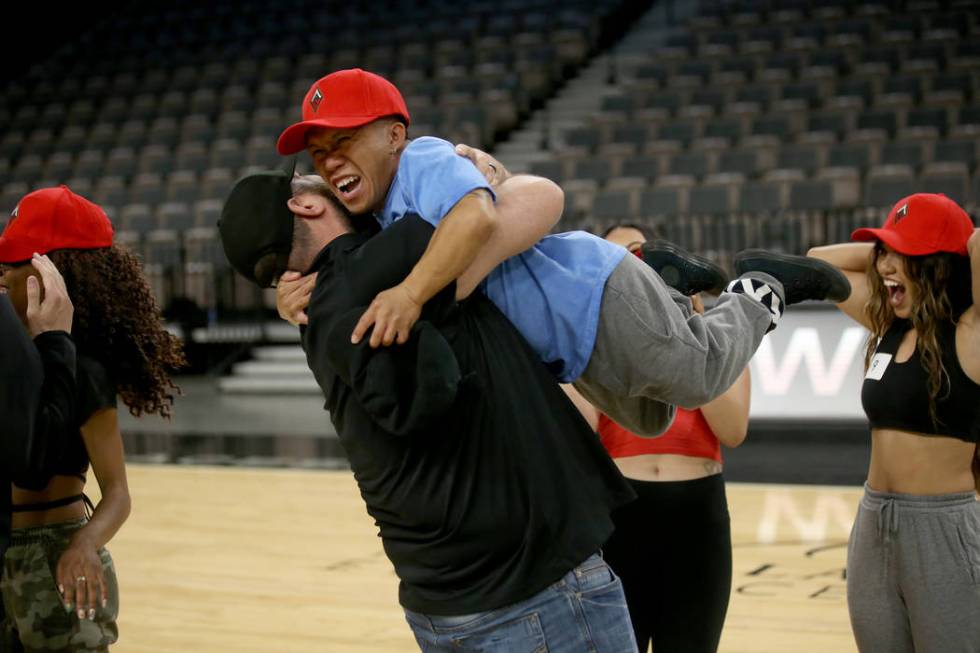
column 599, row 319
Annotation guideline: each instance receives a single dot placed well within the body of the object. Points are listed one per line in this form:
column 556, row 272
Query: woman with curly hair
column 913, row 561
column 59, row 586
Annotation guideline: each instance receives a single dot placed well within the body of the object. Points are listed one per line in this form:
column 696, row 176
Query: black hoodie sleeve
column 37, row 394
column 402, row 388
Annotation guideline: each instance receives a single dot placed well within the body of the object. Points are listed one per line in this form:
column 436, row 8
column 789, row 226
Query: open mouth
column 896, row 292
column 347, row 185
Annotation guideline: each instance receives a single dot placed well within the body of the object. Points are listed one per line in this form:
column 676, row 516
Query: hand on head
column 48, row 306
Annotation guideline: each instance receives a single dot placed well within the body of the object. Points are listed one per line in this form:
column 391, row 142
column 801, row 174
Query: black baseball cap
column 256, row 226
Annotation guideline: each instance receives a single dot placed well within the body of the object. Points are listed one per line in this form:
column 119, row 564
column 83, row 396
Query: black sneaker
column 687, row 273
column 802, row 277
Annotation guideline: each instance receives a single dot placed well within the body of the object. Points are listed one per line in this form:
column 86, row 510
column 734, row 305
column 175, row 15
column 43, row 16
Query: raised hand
column 48, row 306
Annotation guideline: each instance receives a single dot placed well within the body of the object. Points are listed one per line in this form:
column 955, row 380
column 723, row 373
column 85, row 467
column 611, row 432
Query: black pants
column 672, row 548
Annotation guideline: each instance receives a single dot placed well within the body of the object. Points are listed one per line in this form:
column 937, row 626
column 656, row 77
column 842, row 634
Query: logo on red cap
column 316, row 99
column 902, row 211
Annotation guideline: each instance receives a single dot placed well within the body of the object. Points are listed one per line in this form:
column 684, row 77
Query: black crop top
column 896, row 395
column 95, row 390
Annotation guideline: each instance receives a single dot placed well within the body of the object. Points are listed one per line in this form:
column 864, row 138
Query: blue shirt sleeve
column 434, row 178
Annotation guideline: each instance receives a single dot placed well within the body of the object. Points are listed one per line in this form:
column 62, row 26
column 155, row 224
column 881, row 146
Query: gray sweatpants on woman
column 913, row 573
column 652, row 351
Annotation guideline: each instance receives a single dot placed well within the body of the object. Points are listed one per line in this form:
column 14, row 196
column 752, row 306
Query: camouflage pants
column 36, row 620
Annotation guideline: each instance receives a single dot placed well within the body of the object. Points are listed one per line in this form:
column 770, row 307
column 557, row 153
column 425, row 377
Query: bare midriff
column 912, row 463
column 58, row 488
column 667, row 467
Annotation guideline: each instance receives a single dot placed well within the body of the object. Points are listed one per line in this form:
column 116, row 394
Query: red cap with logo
column 50, row 219
column 922, row 224
column 343, row 99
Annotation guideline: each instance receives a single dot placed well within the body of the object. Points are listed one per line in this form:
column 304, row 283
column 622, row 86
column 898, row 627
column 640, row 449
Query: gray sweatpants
column 653, row 351
column 913, row 573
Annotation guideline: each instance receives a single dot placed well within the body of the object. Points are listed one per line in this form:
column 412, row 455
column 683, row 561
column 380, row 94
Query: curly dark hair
column 117, row 321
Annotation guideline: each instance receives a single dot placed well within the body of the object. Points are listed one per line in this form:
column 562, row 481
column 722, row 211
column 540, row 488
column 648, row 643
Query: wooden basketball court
column 252, row 560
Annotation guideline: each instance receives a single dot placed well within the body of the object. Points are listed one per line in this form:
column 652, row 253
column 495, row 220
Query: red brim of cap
column 293, row 139
column 897, row 243
column 14, row 252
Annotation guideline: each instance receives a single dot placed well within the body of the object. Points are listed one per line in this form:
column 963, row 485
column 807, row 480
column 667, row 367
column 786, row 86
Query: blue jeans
column 584, row 612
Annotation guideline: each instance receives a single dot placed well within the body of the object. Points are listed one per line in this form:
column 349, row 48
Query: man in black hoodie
column 491, row 494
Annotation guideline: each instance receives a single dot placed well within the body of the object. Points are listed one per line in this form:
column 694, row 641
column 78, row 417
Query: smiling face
column 902, row 291
column 13, row 283
column 358, row 164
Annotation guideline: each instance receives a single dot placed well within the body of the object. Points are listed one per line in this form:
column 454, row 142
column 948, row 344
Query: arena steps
column 274, row 369
column 580, row 99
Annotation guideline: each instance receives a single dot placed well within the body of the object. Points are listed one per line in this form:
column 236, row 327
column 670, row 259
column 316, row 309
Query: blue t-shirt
column 552, row 292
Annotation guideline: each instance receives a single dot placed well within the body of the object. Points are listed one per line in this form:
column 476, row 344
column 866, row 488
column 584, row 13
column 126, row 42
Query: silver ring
column 80, row 579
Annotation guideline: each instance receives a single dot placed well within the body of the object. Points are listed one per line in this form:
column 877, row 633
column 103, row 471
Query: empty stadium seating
column 747, row 123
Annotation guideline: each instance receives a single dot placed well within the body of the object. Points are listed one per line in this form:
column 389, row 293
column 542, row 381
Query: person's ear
column 307, row 205
column 396, row 135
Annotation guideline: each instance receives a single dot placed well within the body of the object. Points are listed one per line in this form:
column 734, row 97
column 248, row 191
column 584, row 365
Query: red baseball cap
column 50, row 219
column 921, row 224
column 343, row 99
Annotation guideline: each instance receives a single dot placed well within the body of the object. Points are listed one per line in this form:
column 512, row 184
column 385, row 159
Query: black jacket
column 484, row 481
column 37, row 397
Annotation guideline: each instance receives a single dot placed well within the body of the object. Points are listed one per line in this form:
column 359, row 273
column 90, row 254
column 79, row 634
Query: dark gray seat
column 729, row 128
column 902, row 153
column 928, row 117
column 612, row 206
column 878, row 119
column 951, row 180
column 811, row 195
column 960, row 150
column 683, row 131
column 595, row 168
column 798, row 157
column 146, row 188
column 182, row 186
column 174, row 215
column 137, row 217
column 710, row 199
column 849, row 155
column 660, row 201
column 743, row 160
column 885, row 185
column 155, row 158
column 759, row 197
column 641, row 166
column 550, row 169
column 694, row 164
column 192, row 155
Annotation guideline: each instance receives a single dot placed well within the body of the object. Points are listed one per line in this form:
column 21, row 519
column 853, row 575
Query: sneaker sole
column 759, row 260
column 671, row 274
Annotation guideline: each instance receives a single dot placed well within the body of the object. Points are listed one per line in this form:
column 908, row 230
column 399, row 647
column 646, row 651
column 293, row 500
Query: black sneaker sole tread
column 839, row 288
